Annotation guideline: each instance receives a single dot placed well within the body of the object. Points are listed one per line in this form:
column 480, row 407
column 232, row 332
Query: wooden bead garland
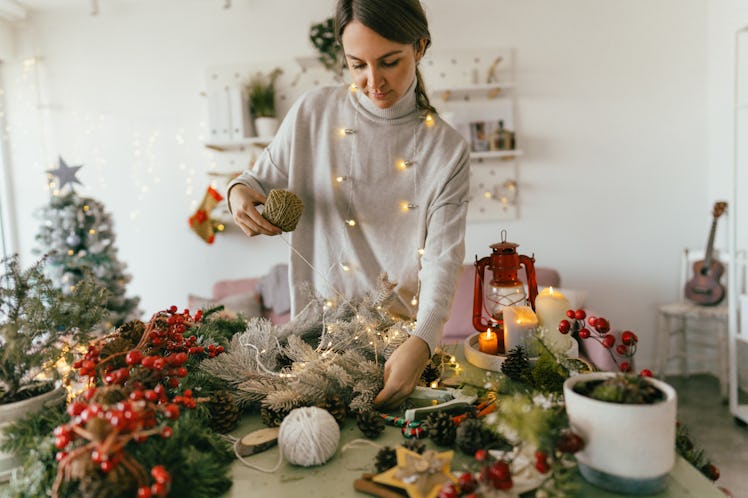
column 283, row 209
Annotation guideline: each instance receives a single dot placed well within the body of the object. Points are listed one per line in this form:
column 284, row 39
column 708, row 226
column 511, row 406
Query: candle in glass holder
column 519, row 324
column 488, row 341
column 551, row 307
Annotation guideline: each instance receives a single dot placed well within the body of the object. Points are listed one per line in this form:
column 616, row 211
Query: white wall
column 612, row 113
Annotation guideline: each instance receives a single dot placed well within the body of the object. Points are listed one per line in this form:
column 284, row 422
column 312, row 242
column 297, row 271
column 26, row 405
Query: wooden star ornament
column 65, row 174
column 421, row 476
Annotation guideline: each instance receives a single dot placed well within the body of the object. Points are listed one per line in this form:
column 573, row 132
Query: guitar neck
column 710, row 244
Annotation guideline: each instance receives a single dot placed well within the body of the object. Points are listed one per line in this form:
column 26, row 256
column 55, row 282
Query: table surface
column 336, row 477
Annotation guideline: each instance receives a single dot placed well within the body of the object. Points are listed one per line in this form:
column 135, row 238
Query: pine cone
column 441, row 428
column 132, row 331
column 114, row 346
column 336, row 407
column 430, row 374
column 272, row 418
column 516, row 366
column 224, row 411
column 109, row 395
column 473, row 435
column 386, row 459
column 118, row 482
column 371, row 423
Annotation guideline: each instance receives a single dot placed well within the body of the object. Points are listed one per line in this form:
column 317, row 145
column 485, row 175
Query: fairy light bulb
column 429, row 120
column 420, row 251
column 487, row 194
column 346, row 131
column 92, row 231
column 341, row 179
column 345, row 267
column 404, row 164
column 414, row 301
column 353, row 87
column 350, row 222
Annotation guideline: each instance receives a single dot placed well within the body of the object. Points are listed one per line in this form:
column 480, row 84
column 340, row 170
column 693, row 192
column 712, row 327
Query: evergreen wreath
column 329, row 349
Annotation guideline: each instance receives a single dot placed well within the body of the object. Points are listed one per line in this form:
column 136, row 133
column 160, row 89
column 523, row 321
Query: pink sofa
column 458, row 326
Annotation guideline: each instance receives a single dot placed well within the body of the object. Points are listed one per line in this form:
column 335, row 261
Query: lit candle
column 551, row 307
column 488, row 342
column 519, row 323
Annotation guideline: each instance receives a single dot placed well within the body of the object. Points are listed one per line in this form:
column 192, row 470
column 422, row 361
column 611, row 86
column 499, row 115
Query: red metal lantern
column 502, row 288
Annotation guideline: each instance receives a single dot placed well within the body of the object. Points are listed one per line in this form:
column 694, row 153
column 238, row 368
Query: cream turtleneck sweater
column 308, row 155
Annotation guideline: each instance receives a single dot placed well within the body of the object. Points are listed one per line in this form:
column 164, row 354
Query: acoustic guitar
column 705, row 287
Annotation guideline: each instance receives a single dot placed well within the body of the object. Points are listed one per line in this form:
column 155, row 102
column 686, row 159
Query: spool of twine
column 283, row 209
column 308, row 436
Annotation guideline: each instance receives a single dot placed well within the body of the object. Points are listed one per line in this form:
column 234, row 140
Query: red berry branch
column 495, row 472
column 130, row 403
column 598, row 329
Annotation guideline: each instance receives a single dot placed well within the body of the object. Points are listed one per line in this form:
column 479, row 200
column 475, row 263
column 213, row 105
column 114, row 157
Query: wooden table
column 336, row 477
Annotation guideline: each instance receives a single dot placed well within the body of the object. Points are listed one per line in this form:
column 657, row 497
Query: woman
column 383, row 179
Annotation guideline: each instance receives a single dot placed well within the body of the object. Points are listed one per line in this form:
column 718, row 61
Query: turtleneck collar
column 403, row 107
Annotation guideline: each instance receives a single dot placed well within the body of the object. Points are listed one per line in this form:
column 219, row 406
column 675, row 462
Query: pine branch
column 284, row 399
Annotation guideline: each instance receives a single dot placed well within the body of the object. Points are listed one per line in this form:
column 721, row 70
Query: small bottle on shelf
column 501, row 138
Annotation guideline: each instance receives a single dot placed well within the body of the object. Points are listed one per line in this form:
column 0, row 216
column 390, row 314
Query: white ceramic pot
column 266, row 127
column 628, row 448
column 12, row 412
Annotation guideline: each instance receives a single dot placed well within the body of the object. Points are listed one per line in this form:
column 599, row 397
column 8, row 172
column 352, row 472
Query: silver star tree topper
column 65, row 174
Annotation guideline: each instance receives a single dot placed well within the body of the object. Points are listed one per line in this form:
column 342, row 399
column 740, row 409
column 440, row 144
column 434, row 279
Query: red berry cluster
column 493, row 474
column 598, row 329
column 159, row 357
column 99, row 428
column 99, row 432
column 496, row 474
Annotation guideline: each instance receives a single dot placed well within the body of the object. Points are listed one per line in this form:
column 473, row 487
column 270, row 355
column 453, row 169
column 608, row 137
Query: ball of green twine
column 283, row 209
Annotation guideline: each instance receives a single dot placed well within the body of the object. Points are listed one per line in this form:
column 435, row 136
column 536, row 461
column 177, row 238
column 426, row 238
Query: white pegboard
column 229, row 128
column 469, row 86
column 493, row 191
column 463, row 67
column 228, row 118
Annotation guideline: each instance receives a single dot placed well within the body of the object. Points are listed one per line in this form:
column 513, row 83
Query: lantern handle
column 532, row 280
column 480, row 268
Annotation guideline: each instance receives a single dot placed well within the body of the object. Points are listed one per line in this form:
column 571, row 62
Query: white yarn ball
column 308, row 436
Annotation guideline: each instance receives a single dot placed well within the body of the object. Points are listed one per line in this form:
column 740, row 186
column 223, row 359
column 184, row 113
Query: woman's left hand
column 402, row 371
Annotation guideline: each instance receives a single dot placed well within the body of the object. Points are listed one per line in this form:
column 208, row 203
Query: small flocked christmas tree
column 78, row 233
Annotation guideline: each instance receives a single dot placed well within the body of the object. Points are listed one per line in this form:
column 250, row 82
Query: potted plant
column 628, row 423
column 261, row 97
column 330, row 53
column 39, row 326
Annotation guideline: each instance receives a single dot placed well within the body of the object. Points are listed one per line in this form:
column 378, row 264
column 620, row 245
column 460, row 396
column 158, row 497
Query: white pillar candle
column 551, row 307
column 519, row 323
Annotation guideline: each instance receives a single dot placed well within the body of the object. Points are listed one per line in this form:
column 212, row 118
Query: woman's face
column 381, row 68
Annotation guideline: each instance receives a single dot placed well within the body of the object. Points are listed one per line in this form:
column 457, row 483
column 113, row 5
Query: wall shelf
column 239, row 145
column 478, row 90
column 496, row 154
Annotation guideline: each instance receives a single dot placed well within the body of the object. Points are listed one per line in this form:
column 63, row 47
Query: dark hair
column 402, row 21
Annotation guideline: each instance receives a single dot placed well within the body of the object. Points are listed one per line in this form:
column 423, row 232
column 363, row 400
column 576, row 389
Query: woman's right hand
column 243, row 201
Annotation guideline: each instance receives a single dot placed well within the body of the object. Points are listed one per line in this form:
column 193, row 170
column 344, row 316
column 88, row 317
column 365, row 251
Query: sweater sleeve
column 444, row 253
